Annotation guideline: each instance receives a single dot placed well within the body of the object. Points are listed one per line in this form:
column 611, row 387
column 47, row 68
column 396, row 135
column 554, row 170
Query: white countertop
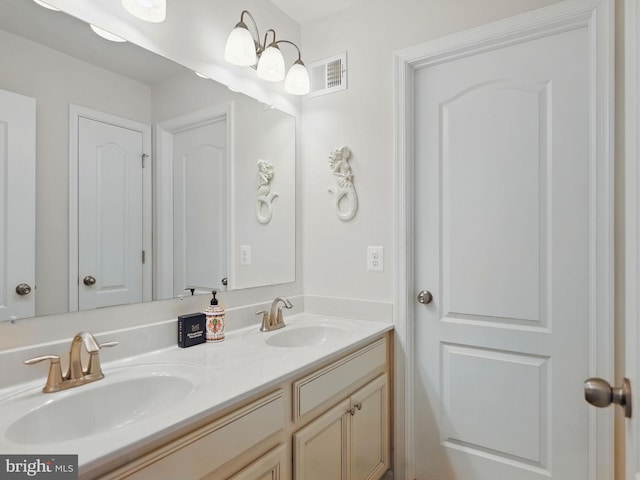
column 227, row 373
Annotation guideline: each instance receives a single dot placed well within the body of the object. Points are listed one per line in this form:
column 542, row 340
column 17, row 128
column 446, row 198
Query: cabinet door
column 267, row 467
column 320, row 448
column 369, row 440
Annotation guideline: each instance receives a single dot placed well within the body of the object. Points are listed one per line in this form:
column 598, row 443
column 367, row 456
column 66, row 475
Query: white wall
column 362, row 118
column 258, row 132
column 266, row 134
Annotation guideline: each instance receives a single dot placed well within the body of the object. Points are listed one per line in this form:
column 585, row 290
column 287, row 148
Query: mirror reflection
column 134, row 179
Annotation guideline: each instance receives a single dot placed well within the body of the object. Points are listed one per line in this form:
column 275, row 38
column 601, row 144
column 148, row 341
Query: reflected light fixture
column 106, row 35
column 245, row 50
column 154, row 11
column 46, row 5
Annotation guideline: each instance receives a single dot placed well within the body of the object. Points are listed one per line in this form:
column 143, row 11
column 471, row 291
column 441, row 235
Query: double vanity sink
column 156, row 394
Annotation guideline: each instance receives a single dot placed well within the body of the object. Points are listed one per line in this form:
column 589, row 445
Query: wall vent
column 328, row 75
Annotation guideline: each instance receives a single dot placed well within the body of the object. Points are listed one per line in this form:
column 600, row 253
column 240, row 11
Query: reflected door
column 505, row 241
column 17, row 205
column 110, row 214
column 200, row 218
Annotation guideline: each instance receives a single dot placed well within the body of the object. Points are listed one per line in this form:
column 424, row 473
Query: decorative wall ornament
column 264, row 202
column 344, row 190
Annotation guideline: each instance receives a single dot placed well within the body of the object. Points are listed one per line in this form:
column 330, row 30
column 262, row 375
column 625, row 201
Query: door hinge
column 144, row 256
column 144, row 156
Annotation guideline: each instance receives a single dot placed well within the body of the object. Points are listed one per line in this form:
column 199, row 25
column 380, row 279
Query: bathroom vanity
column 308, row 401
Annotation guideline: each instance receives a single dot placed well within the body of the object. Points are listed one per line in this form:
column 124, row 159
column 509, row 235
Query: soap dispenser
column 214, row 320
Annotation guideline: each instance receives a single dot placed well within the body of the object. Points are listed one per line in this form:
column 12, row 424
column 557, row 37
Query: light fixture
column 154, row 11
column 106, row 35
column 46, row 5
column 244, row 50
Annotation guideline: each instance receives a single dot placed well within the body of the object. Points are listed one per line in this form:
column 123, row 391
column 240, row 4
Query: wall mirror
column 210, row 204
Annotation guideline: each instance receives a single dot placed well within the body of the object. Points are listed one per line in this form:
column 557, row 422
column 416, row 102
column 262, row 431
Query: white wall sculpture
column 344, row 191
column 264, row 202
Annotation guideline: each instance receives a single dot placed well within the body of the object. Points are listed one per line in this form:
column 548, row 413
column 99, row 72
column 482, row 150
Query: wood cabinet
column 330, row 423
column 268, row 467
column 201, row 453
column 348, row 442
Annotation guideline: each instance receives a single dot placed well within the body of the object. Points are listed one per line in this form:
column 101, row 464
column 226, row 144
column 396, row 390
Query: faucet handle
column 265, row 320
column 34, row 360
column 54, row 379
column 94, row 369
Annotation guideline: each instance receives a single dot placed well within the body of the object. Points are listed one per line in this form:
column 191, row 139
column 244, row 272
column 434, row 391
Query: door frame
column 598, row 17
column 632, row 232
column 75, row 113
column 165, row 130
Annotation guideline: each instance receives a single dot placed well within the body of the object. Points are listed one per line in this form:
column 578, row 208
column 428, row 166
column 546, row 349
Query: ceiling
column 73, row 37
column 306, row 11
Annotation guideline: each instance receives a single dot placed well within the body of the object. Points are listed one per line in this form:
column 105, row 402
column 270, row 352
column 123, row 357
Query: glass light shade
column 297, row 81
column 240, row 48
column 106, row 35
column 46, row 5
column 271, row 64
column 154, row 11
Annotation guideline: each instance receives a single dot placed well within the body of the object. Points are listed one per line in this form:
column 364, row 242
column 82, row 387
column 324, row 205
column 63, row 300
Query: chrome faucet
column 273, row 320
column 76, row 375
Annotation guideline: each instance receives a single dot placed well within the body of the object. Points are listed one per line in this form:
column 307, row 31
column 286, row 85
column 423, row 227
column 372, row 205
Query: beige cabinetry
column 348, row 442
column 201, row 453
column 330, row 423
column 268, row 467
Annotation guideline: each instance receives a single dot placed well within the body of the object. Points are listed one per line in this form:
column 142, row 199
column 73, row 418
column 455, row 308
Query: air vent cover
column 328, row 75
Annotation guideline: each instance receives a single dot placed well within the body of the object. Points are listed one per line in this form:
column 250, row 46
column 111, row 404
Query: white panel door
column 200, row 219
column 110, row 211
column 17, row 204
column 504, row 241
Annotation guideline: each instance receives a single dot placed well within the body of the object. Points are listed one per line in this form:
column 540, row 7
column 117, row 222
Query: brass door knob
column 89, row 280
column 599, row 393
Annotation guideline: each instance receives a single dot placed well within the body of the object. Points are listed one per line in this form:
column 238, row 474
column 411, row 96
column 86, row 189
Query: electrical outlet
column 245, row 254
column 375, row 259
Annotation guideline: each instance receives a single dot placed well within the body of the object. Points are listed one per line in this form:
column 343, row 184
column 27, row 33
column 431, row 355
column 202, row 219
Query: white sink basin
column 306, row 336
column 123, row 397
column 303, row 334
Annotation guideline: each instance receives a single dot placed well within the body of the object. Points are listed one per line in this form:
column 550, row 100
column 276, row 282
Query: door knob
column 599, row 393
column 425, row 297
column 89, row 280
column 23, row 289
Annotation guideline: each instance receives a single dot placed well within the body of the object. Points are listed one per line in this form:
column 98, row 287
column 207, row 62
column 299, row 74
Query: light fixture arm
column 259, row 47
column 290, row 43
column 265, row 45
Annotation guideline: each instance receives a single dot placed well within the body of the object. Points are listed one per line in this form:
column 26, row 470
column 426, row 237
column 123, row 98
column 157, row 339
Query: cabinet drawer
column 206, row 449
column 267, row 467
column 315, row 389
